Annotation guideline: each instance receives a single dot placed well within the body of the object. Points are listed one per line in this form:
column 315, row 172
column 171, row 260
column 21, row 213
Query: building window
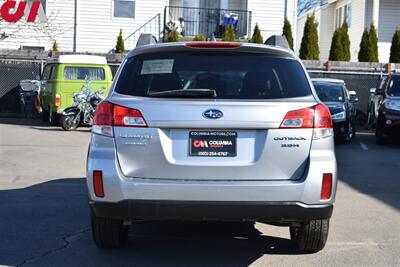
column 124, row 9
column 343, row 13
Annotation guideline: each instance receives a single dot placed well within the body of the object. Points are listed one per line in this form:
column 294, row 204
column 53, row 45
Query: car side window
column 53, row 72
column 47, row 72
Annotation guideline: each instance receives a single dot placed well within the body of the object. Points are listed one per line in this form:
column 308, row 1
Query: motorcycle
column 83, row 108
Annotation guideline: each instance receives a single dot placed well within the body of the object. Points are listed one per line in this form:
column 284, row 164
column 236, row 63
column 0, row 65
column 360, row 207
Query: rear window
column 83, row 73
column 329, row 92
column 232, row 76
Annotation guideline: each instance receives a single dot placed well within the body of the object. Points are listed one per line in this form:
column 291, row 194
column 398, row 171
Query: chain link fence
column 11, row 73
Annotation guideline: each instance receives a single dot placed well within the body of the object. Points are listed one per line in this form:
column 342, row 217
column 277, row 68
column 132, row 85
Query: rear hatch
column 220, row 120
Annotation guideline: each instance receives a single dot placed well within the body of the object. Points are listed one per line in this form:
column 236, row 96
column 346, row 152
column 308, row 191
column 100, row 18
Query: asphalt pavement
column 44, row 215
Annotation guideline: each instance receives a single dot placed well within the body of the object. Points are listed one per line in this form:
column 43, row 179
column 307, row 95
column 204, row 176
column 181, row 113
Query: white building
column 359, row 14
column 93, row 26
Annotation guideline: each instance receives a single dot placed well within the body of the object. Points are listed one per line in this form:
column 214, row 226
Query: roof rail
column 277, row 40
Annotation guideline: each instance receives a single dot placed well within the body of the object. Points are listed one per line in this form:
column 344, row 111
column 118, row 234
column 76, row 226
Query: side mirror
column 353, row 96
column 372, row 90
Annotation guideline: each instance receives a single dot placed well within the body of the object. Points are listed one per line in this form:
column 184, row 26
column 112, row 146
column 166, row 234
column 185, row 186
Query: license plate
column 212, row 144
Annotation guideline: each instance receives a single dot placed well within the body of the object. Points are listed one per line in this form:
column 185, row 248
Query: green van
column 65, row 75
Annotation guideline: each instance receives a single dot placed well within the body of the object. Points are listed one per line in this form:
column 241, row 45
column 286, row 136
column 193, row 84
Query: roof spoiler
column 278, row 40
column 146, row 39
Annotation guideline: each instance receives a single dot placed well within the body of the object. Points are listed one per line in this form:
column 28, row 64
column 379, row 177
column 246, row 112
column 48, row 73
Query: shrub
column 395, row 48
column 120, row 47
column 340, row 46
column 373, row 56
column 346, row 42
column 287, row 32
column 257, row 38
column 173, row 36
column 336, row 52
column 309, row 48
column 229, row 34
column 363, row 54
column 199, row 38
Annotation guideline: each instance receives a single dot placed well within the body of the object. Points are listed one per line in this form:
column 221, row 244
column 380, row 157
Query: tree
column 363, row 54
column 173, row 36
column 395, row 48
column 340, row 46
column 287, row 32
column 309, row 48
column 120, row 47
column 346, row 41
column 229, row 34
column 257, row 38
column 336, row 52
column 373, row 56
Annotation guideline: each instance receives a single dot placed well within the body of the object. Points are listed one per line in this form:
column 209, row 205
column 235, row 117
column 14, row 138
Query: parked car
column 65, row 75
column 341, row 104
column 212, row 131
column 375, row 101
column 388, row 121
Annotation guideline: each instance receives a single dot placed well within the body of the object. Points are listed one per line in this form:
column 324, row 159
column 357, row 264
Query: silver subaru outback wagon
column 207, row 131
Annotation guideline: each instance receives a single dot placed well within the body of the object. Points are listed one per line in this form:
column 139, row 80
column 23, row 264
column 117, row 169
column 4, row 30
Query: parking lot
column 44, row 214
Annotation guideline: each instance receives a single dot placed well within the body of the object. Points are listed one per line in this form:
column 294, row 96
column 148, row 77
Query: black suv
column 388, row 122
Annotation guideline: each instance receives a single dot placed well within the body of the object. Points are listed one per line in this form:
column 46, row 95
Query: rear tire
column 310, row 236
column 108, row 232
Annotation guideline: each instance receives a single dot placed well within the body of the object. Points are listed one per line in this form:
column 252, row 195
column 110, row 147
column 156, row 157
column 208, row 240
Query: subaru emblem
column 213, row 114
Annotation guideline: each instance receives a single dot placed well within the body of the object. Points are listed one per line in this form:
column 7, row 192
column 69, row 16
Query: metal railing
column 206, row 21
column 152, row 26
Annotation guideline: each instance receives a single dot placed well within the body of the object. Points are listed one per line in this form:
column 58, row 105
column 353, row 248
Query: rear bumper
column 136, row 198
column 149, row 210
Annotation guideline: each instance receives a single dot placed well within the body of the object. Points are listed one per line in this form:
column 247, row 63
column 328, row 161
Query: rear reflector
column 58, row 100
column 213, row 44
column 326, row 186
column 317, row 116
column 98, row 183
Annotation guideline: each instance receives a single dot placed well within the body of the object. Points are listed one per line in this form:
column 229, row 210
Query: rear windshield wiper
column 207, row 93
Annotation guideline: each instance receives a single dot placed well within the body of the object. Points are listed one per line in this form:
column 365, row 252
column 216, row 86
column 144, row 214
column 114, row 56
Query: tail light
column 317, row 117
column 109, row 115
column 58, row 100
column 326, row 186
column 98, row 183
